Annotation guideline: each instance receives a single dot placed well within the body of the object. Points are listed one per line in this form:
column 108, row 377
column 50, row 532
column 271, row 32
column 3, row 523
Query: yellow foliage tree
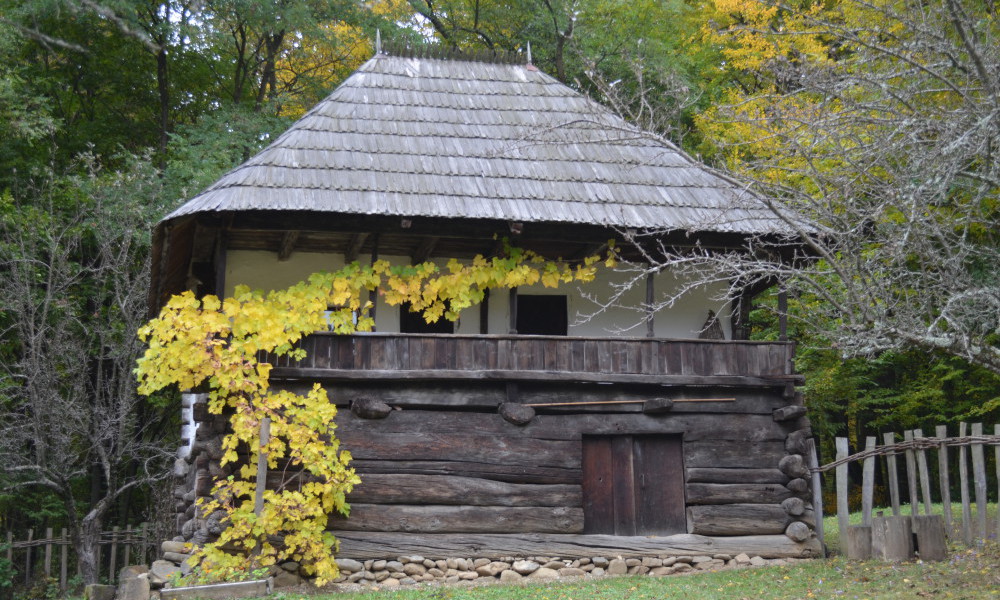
column 219, row 343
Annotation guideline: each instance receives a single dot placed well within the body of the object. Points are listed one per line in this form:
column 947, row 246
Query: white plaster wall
column 263, row 270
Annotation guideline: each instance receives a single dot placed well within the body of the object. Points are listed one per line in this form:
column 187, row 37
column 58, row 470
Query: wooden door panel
column 598, row 488
column 623, row 475
column 659, row 485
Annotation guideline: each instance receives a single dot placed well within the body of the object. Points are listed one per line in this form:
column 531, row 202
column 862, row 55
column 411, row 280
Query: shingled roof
column 433, row 137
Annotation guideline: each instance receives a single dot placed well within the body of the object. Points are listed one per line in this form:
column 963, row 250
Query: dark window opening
column 413, row 322
column 542, row 315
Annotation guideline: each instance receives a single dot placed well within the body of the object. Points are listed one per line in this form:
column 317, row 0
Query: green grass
column 970, row 574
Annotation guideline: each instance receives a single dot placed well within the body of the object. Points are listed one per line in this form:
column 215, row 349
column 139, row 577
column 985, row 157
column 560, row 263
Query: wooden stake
column 817, row 491
column 63, row 560
column 925, row 481
column 27, row 558
column 48, row 552
column 996, row 451
column 867, row 484
column 112, row 575
column 890, row 439
column 979, row 477
column 843, row 519
column 265, row 438
column 911, row 475
column 963, row 477
column 941, row 431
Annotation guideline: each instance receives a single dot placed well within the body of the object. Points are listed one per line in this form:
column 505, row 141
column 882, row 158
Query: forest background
column 112, row 113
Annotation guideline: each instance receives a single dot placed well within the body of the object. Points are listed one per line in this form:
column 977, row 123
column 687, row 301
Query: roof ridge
column 441, row 52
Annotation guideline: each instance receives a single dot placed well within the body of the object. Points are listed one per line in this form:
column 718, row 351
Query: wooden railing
column 540, row 358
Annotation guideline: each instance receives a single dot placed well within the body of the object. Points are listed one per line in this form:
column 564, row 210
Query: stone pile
column 411, row 570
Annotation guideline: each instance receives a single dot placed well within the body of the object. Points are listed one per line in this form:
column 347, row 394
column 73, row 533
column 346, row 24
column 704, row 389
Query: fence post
column 979, row 476
column 890, row 439
column 10, row 546
column 63, row 560
column 925, row 480
column 129, row 532
column 868, row 483
column 911, row 475
column 842, row 507
column 112, row 576
column 942, row 432
column 817, row 491
column 27, row 558
column 265, row 437
column 996, row 454
column 963, row 477
column 48, row 552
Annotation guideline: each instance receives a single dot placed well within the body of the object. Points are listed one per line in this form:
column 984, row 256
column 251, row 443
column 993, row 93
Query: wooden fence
column 917, row 467
column 52, row 556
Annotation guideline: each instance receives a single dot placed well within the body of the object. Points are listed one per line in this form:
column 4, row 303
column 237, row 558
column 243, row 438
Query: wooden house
column 651, row 441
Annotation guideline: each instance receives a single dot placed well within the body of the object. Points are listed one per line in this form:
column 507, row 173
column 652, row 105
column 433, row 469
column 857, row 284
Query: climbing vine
column 219, row 344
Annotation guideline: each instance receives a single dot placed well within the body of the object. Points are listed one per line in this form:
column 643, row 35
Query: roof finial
column 529, row 53
column 378, row 41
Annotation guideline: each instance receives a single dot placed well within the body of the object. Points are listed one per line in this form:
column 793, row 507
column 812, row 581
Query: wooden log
column 47, row 565
column 657, row 406
column 713, row 475
column 979, row 478
column 890, row 439
column 868, row 483
column 932, row 544
column 925, row 481
column 798, row 531
column 963, row 480
column 695, row 427
column 460, row 519
column 738, row 519
column 817, row 494
column 793, row 465
column 911, row 474
column 374, row 545
column 516, row 414
column 485, row 470
column 788, row 413
column 892, row 539
column 459, row 446
column 724, row 493
column 858, row 544
column 461, row 491
column 841, row 475
column 724, row 454
column 941, row 431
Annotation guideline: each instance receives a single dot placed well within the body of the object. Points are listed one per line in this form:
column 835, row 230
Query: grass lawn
column 969, row 574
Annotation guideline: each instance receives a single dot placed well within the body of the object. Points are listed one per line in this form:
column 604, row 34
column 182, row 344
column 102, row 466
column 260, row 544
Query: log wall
column 443, row 464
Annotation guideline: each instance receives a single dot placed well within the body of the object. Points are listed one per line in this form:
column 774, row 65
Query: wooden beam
column 354, row 248
column 512, row 309
column 650, row 295
column 287, row 245
column 514, row 375
column 424, row 249
column 365, row 545
column 484, row 313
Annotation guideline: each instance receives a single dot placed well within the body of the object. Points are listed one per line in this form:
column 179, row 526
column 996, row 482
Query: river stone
column 394, row 566
column 132, row 571
column 484, row 570
column 172, row 546
column 468, row 575
column 414, row 568
column 660, row 571
column 480, row 562
column 370, row 408
column 742, row 559
column 669, row 561
column 134, row 588
column 355, row 577
column 516, row 414
column 650, row 561
column 510, row 576
column 436, row 572
column 682, row 567
column 571, row 572
column 349, row 564
column 632, row 562
column 597, row 572
column 617, row 567
column 758, row 561
column 381, row 576
column 391, row 582
column 285, row 579
column 160, row 572
column 525, row 567
column 600, row 561
column 96, row 591
column 176, row 557
column 379, row 565
column 544, row 574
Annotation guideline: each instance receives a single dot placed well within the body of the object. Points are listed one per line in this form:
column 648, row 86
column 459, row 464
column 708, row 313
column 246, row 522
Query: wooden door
column 633, row 485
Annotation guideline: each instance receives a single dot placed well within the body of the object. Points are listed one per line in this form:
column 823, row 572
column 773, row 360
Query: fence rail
column 33, row 557
column 916, row 478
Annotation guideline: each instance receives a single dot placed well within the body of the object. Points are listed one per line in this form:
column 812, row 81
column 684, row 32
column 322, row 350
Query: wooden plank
column 376, row 488
column 890, row 439
column 570, row 427
column 911, row 474
column 598, row 488
column 729, row 493
column 47, row 565
column 932, row 541
column 622, row 483
column 841, row 477
column 892, row 539
column 738, row 519
column 112, row 567
column 460, row 519
column 979, row 477
column 941, row 431
column 996, row 464
column 868, row 483
column 63, row 559
column 360, row 545
column 925, row 481
column 963, row 480
column 723, row 476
